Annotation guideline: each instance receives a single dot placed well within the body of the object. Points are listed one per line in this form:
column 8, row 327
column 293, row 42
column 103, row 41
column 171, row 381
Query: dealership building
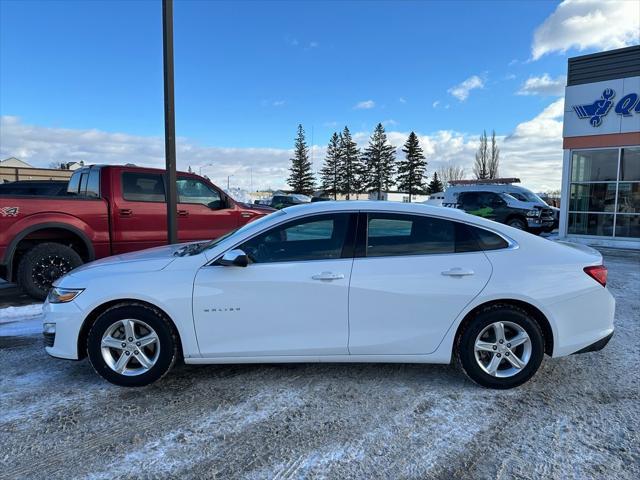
column 601, row 141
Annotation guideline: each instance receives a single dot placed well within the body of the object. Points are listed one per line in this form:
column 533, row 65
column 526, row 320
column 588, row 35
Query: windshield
column 527, row 196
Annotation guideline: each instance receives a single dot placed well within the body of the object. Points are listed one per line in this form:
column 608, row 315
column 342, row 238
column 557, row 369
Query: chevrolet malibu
column 338, row 282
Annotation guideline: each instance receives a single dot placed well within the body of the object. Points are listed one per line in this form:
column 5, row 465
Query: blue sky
column 248, row 72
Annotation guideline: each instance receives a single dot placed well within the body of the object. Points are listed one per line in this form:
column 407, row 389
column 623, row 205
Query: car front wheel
column 501, row 347
column 132, row 345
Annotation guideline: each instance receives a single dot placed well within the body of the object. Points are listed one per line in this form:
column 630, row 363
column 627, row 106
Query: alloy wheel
column 130, row 347
column 502, row 349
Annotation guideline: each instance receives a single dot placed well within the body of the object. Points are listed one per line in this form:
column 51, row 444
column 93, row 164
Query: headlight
column 63, row 295
column 533, row 213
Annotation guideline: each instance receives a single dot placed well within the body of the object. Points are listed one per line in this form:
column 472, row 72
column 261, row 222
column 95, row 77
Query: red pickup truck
column 107, row 210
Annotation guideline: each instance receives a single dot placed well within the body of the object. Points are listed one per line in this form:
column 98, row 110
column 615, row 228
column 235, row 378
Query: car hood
column 152, row 259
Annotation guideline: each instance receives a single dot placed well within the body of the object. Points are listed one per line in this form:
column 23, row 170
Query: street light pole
column 169, row 120
column 228, row 178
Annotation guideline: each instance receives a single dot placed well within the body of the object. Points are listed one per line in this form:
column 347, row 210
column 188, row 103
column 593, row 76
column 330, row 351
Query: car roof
column 375, row 206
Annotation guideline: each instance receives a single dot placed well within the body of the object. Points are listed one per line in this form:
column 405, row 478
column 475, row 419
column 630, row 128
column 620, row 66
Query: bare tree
column 481, row 166
column 450, row 173
column 494, row 157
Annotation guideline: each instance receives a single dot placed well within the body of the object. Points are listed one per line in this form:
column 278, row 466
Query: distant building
column 14, row 162
column 601, row 166
column 13, row 169
column 74, row 165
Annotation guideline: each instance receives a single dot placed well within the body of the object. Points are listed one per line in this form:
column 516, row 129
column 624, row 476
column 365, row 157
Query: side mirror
column 234, row 258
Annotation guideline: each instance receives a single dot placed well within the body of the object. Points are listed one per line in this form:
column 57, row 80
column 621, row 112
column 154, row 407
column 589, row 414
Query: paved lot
column 579, row 417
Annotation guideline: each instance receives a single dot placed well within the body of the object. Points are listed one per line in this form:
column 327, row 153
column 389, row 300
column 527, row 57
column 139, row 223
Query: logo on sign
column 597, row 110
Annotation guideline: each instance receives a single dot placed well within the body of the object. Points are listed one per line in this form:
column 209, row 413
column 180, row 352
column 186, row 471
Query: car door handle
column 328, row 276
column 457, row 272
column 183, row 213
column 126, row 212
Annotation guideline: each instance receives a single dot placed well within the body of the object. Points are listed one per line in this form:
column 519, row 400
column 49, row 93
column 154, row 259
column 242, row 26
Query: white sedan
column 338, row 282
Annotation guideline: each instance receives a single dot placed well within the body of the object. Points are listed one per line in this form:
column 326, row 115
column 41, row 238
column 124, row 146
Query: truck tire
column 40, row 266
column 517, row 222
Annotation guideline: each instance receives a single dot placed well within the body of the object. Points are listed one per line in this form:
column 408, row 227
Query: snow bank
column 14, row 314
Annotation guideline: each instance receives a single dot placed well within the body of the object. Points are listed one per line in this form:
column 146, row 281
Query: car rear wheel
column 132, row 345
column 43, row 265
column 501, row 347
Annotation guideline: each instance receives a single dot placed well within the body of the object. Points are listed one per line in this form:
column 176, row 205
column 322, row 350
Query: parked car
column 526, row 201
column 106, row 210
column 283, row 201
column 34, row 187
column 338, row 282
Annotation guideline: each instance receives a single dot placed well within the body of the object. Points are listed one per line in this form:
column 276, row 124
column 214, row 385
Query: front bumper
column 68, row 319
column 538, row 223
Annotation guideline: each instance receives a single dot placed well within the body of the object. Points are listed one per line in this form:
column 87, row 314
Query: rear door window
column 390, row 234
column 143, row 187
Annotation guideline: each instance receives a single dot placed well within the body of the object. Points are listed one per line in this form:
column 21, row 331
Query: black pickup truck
column 503, row 208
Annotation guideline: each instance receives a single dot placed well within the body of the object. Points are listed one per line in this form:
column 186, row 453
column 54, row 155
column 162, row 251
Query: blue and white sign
column 602, row 108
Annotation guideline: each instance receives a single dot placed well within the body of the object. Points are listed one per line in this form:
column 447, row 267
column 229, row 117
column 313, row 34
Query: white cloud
column 42, row 145
column 278, row 103
column 532, row 152
column 314, row 44
column 389, row 123
column 462, row 90
column 543, row 85
column 435, row 104
column 402, row 100
column 588, row 24
column 365, row 105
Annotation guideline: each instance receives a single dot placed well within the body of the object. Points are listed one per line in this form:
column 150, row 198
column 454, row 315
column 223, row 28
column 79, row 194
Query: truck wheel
column 42, row 265
column 518, row 223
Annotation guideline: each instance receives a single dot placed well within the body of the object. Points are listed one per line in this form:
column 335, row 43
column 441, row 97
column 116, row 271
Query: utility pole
column 169, row 120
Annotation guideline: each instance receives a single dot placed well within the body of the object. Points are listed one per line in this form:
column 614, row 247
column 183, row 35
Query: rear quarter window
column 489, row 240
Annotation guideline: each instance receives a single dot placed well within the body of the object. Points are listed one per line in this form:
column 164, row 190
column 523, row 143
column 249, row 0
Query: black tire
column 168, row 344
column 40, row 266
column 465, row 346
column 517, row 222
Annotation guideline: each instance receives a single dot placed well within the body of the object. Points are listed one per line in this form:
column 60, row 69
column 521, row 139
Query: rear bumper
column 596, row 346
column 581, row 322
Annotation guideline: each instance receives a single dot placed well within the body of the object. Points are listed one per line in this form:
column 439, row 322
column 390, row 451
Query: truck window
column 74, row 184
column 93, row 184
column 142, row 187
column 191, row 190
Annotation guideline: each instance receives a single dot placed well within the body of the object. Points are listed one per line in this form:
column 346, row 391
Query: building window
column 604, row 195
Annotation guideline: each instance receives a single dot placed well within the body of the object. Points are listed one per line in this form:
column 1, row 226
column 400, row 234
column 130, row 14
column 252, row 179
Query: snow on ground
column 13, row 314
column 20, row 321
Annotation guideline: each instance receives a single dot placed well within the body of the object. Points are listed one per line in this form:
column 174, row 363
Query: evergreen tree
column 435, row 185
column 379, row 160
column 301, row 177
column 329, row 175
column 411, row 170
column 350, row 169
column 481, row 166
column 494, row 157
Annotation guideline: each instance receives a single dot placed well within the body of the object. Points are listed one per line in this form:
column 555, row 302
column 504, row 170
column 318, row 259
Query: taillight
column 598, row 273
